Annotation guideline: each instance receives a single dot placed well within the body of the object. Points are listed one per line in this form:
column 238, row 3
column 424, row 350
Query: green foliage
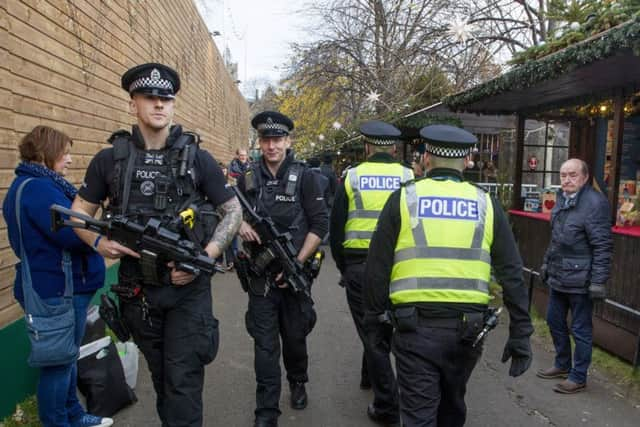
column 418, row 121
column 311, row 108
column 428, row 88
column 25, row 415
column 607, row 44
column 593, row 18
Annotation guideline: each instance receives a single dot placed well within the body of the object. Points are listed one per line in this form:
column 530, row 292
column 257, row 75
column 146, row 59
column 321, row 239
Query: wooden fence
column 60, row 65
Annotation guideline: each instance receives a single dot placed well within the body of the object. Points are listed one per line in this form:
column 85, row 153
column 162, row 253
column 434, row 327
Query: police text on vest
column 373, row 182
column 447, row 208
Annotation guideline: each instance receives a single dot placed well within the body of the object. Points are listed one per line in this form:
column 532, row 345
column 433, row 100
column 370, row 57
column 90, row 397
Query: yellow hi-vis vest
column 443, row 251
column 368, row 186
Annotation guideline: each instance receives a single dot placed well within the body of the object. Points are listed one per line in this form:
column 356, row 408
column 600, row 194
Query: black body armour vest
column 158, row 184
column 279, row 198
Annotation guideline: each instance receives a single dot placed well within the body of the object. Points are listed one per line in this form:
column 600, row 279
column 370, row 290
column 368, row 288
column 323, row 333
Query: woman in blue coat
column 45, row 156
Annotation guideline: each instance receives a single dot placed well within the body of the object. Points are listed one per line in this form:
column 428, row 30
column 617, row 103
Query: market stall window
column 546, row 147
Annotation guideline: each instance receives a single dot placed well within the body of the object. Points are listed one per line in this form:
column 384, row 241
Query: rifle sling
column 128, row 175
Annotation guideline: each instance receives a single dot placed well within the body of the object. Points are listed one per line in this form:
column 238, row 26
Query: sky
column 258, row 34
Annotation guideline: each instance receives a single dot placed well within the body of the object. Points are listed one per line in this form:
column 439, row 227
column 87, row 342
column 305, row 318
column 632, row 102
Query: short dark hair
column 43, row 144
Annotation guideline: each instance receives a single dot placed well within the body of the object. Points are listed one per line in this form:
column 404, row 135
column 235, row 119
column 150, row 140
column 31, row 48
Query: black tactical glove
column 543, row 273
column 519, row 351
column 597, row 291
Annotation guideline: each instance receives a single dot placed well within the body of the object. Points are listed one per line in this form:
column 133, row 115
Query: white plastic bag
column 128, row 353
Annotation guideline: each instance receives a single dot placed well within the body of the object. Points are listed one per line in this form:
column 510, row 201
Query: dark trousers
column 433, row 368
column 580, row 305
column 178, row 341
column 377, row 344
column 279, row 315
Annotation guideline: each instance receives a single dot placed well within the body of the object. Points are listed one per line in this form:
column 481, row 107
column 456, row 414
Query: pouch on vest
column 472, row 325
column 405, row 319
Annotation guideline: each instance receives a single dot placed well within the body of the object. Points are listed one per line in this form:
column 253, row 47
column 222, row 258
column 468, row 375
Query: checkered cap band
column 278, row 126
column 382, row 141
column 448, row 152
column 148, row 82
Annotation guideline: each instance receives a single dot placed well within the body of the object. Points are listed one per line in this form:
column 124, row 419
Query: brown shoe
column 569, row 387
column 551, row 373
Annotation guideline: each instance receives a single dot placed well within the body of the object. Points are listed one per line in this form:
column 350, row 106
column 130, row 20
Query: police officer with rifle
column 430, row 261
column 162, row 189
column 285, row 221
column 357, row 205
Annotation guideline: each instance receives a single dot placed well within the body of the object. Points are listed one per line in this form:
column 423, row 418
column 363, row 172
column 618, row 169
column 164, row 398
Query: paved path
column 493, row 399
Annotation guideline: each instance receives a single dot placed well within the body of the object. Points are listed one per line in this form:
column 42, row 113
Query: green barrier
column 18, row 379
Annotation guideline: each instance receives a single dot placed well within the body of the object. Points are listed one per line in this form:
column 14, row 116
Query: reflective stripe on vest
column 368, row 186
column 443, row 249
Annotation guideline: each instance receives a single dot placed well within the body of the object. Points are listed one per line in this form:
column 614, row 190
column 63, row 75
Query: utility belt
column 409, row 318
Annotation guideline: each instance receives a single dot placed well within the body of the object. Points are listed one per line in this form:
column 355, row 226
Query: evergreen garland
column 604, row 45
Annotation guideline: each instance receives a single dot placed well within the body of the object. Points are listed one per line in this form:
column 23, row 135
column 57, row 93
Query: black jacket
column 581, row 247
column 272, row 201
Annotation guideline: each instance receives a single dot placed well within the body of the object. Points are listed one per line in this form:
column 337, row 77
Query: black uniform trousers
column 178, row 338
column 433, row 368
column 377, row 344
column 279, row 314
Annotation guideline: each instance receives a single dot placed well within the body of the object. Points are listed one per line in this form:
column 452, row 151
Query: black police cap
column 448, row 141
column 272, row 124
column 152, row 79
column 380, row 133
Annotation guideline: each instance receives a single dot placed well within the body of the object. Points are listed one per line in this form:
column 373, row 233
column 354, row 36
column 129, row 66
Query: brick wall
column 60, row 65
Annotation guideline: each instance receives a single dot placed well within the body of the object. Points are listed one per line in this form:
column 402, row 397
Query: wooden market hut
column 596, row 79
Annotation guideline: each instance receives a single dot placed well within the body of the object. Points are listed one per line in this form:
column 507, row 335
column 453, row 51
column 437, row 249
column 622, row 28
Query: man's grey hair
column 584, row 167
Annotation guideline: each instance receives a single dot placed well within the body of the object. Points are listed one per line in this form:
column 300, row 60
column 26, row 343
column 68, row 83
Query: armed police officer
column 157, row 172
column 431, row 257
column 357, row 205
column 281, row 188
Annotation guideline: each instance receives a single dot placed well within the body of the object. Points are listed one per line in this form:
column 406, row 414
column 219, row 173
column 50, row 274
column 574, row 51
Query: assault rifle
column 275, row 246
column 152, row 241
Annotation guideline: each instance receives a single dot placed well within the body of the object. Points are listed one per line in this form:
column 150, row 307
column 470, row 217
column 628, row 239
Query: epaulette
column 120, row 133
column 120, row 141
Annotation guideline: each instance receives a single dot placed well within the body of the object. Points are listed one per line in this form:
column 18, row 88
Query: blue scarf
column 39, row 171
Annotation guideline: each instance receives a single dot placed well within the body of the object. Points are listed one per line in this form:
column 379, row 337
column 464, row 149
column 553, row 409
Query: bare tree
column 373, row 51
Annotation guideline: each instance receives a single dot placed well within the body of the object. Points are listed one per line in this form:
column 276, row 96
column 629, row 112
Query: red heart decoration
column 549, row 204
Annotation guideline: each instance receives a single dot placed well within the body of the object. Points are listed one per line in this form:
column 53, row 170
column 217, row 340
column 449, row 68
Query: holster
column 241, row 264
column 111, row 315
column 472, row 325
column 405, row 319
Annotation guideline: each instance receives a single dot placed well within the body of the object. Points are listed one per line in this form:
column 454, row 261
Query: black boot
column 266, row 422
column 298, row 396
column 383, row 419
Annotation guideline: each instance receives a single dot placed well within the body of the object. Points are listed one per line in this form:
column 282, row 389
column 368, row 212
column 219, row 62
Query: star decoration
column 460, row 29
column 373, row 97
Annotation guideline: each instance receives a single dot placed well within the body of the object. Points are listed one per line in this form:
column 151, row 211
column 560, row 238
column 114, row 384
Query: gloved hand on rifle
column 543, row 273
column 597, row 291
column 519, row 351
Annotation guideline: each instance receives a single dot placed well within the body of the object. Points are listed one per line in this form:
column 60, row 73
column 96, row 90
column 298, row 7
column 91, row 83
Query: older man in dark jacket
column 576, row 268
